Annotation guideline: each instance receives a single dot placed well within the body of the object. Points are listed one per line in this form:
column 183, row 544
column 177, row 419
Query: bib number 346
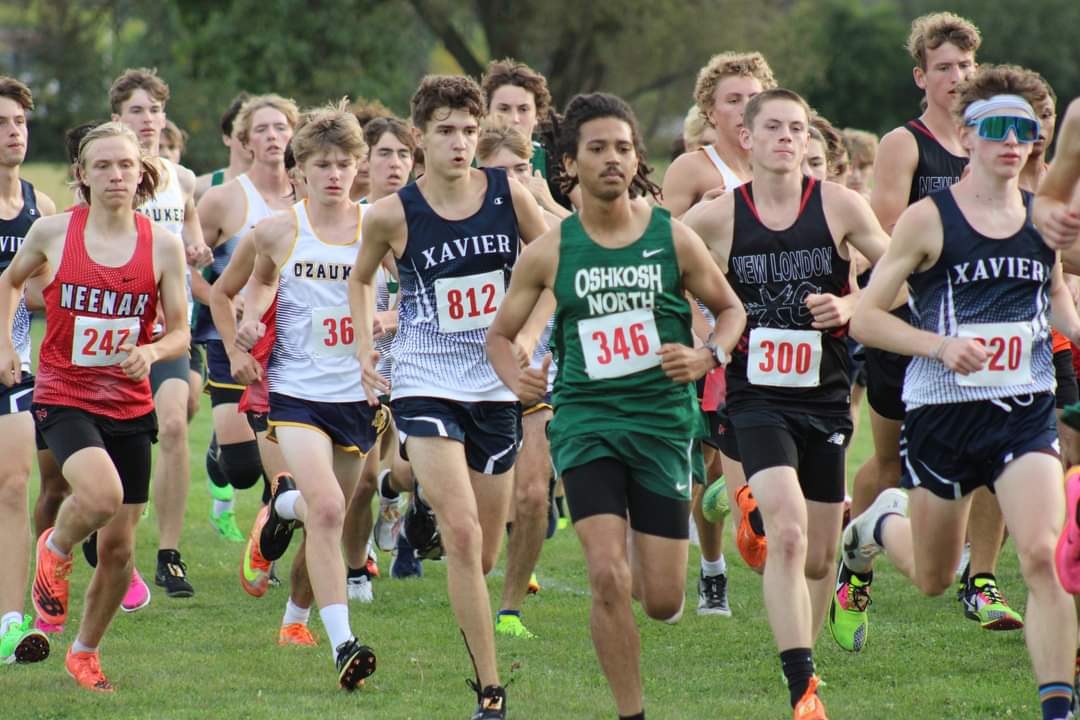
column 619, row 344
column 96, row 341
column 784, row 358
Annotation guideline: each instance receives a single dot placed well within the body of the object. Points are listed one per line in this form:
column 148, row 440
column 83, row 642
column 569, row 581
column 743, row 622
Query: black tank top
column 13, row 231
column 787, row 362
column 937, row 169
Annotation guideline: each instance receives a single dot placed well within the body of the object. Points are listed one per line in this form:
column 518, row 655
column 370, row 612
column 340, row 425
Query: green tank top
column 615, row 308
column 539, row 159
column 218, row 177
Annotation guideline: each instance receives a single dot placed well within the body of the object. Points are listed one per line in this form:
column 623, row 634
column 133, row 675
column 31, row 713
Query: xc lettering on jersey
column 461, row 248
column 785, row 309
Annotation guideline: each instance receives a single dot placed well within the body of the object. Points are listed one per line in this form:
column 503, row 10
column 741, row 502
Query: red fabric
column 256, row 397
column 715, row 393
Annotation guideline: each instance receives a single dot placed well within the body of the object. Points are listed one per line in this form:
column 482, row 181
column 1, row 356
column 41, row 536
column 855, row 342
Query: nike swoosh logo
column 650, row 253
column 250, row 574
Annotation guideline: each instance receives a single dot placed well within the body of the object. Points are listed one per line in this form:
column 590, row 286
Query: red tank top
column 256, row 397
column 90, row 310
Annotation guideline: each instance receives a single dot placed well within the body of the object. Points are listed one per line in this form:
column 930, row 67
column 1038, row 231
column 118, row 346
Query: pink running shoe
column 47, row 627
column 137, row 596
column 1067, row 555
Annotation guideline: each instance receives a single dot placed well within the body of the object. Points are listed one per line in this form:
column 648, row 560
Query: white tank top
column 731, row 180
column 314, row 355
column 166, row 208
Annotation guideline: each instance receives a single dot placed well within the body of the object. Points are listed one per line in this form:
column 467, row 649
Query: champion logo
column 32, row 212
column 498, row 201
column 836, row 439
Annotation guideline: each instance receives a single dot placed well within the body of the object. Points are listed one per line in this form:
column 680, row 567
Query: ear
column 920, row 77
column 744, row 138
column 418, row 137
column 570, row 166
column 114, row 117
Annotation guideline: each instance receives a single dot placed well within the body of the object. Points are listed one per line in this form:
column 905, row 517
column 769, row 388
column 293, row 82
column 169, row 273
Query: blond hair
column 330, row 126
column 727, row 64
column 929, row 32
column 494, row 138
column 147, row 185
column 693, row 127
column 244, row 119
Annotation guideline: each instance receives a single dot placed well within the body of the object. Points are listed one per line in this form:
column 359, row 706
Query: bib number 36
column 96, row 341
column 784, row 358
column 1009, row 348
column 619, row 344
column 469, row 302
column 332, row 332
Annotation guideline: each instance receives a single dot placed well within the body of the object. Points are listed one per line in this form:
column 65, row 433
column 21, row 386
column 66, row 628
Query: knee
column 933, row 582
column 787, row 541
column 325, row 512
column 820, row 563
column 241, row 463
column 172, row 430
column 531, row 497
column 666, row 604
column 462, row 537
column 114, row 553
column 101, row 503
column 13, row 483
column 610, row 582
column 1037, row 561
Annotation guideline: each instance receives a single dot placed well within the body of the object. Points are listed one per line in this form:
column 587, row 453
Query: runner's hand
column 244, row 368
column 374, row 383
column 1060, row 228
column 685, row 364
column 829, row 311
column 713, row 193
column 532, row 382
column 963, row 355
column 137, row 364
column 199, row 256
column 248, row 334
column 10, row 367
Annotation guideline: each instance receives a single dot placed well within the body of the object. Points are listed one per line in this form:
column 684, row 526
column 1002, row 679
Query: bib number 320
column 619, row 344
column 1009, row 348
column 469, row 302
column 784, row 358
column 96, row 341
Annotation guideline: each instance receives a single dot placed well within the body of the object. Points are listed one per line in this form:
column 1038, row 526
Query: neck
column 10, row 188
column 992, row 190
column 239, row 163
column 734, row 155
column 1032, row 173
column 776, row 188
column 941, row 123
column 445, row 188
column 376, row 194
column 329, row 212
column 270, row 179
column 111, row 220
column 606, row 215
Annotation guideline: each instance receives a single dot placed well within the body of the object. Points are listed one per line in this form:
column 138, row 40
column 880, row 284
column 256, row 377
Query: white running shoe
column 859, row 546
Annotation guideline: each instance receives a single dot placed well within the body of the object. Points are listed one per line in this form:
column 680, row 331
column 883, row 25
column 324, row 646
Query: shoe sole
column 91, row 688
column 360, row 666
column 1068, row 564
column 714, row 611
column 31, row 649
column 138, row 607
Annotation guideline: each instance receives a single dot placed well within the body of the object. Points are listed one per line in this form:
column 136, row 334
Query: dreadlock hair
column 593, row 106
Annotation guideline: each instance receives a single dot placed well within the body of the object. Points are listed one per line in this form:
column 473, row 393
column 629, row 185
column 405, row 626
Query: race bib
column 96, row 341
column 1009, row 347
column 332, row 332
column 619, row 344
column 784, row 358
column 470, row 302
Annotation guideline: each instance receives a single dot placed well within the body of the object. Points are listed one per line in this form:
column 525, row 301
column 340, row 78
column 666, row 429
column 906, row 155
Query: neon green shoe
column 848, row 619
column 564, row 522
column 984, row 603
column 511, row 626
column 222, row 494
column 225, row 524
column 715, row 505
column 23, row 643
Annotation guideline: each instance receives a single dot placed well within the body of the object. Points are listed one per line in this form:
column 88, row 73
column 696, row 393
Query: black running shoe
column 490, row 703
column 89, row 549
column 172, row 575
column 354, row 663
column 277, row 532
column 421, row 530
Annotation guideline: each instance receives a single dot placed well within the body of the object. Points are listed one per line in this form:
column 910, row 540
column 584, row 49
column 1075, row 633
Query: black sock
column 385, row 490
column 213, row 467
column 560, row 501
column 756, row 523
column 798, row 665
column 639, row 716
column 865, row 578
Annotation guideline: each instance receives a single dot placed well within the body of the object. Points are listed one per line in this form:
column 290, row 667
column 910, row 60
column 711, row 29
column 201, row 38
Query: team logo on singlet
column 932, row 183
column 597, row 285
column 1018, row 268
column 10, row 243
column 459, row 248
column 784, row 306
column 321, row 271
column 163, row 215
column 82, row 298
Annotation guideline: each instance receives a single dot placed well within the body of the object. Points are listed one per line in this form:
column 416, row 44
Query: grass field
column 214, row 655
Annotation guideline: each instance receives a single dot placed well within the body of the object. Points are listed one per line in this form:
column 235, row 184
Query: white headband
column 998, row 102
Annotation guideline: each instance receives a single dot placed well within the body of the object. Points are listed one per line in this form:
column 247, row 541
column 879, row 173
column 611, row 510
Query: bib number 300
column 784, row 358
column 1009, row 348
column 619, row 344
column 97, row 341
column 469, row 302
column 332, row 332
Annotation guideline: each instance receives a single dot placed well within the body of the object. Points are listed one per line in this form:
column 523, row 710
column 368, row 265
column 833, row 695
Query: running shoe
column 422, row 530
column 712, row 595
column 172, row 575
column 296, row 634
column 23, row 643
column 490, row 702
column 372, row 563
column 138, row 594
column 1067, row 555
column 47, row 628
column 50, row 593
column 859, row 546
column 388, row 521
column 509, row 625
column 984, row 603
column 753, row 546
column 810, row 706
column 715, row 505
column 358, row 586
column 85, row 667
column 534, row 585
column 564, row 522
column 276, row 532
column 254, row 568
column 848, row 618
column 354, row 663
column 406, row 564
column 226, row 526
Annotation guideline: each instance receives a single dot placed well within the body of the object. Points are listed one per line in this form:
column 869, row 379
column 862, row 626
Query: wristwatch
column 718, row 353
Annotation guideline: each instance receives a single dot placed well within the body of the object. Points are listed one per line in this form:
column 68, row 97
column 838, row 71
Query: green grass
column 51, row 179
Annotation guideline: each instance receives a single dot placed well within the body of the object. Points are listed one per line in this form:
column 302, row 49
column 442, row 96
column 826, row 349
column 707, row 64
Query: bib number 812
column 469, row 302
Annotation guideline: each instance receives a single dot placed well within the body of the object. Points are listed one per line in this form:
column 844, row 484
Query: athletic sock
column 515, row 613
column 213, row 467
column 878, row 526
column 9, row 619
column 798, row 665
column 864, row 578
column 78, row 647
column 639, row 716
column 712, row 568
column 387, row 492
column 335, row 618
column 294, row 614
column 221, row 506
column 1055, row 698
column 55, row 550
column 285, row 505
column 560, row 501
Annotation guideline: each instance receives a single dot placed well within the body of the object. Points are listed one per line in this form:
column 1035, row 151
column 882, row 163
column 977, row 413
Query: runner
column 173, row 142
column 788, row 383
column 623, row 376
column 239, row 156
column 112, row 267
column 455, row 235
column 979, row 390
column 862, row 151
column 20, row 206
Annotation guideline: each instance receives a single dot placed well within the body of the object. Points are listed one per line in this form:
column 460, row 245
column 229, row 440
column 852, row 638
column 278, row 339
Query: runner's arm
column 1057, row 204
column 28, row 261
column 530, row 218
column 172, row 296
column 1063, row 314
column 705, row 281
column 228, row 286
column 894, row 167
column 678, row 193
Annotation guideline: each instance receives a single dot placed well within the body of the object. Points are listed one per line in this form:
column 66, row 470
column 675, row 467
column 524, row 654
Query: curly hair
column 511, row 72
column 929, row 32
column 991, row 80
column 729, row 64
column 456, row 92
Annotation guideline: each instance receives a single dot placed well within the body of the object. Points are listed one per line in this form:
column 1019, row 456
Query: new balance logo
column 650, row 253
column 836, row 439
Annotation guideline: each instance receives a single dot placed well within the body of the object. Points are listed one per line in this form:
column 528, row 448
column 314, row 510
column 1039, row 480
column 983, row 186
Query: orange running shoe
column 752, row 547
column 372, row 564
column 810, row 706
column 254, row 568
column 296, row 634
column 51, row 583
column 86, row 669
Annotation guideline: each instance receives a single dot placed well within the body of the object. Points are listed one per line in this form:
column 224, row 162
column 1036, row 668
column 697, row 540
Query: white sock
column 335, row 618
column 711, row 568
column 285, row 505
column 55, row 550
column 221, row 506
column 295, row 614
column 9, row 619
column 80, row 648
